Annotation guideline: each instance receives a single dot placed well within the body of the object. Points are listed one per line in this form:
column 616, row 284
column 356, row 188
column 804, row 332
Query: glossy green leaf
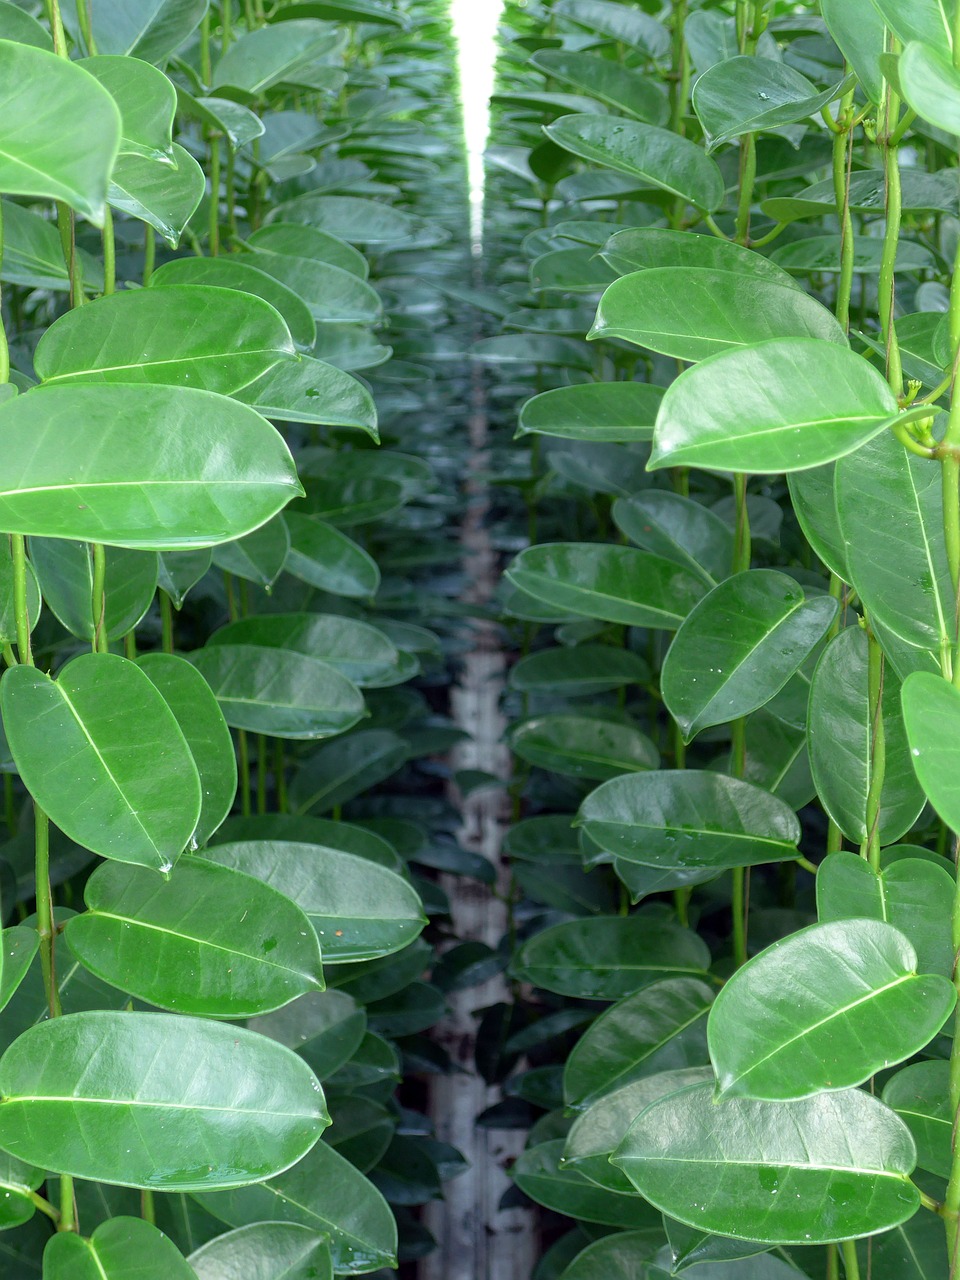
column 17, row 1181
column 655, row 156
column 739, row 646
column 307, row 242
column 822, row 253
column 223, row 273
column 338, row 772
column 661, row 1028
column 180, row 571
column 234, row 121
column 913, row 894
column 677, row 529
column 689, row 818
column 19, row 944
column 162, row 195
column 120, row 1249
column 265, row 1251
column 152, row 30
column 582, row 746
column 360, row 910
column 608, row 411
column 622, row 1255
column 840, row 727
column 824, row 1008
column 813, row 494
column 328, row 560
column 782, row 405
column 159, row 941
column 351, row 218
column 579, row 672
column 273, row 54
column 890, row 508
column 825, row 1168
column 325, row 1027
column 931, row 711
column 259, row 557
column 146, row 462
column 325, row 1193
column 146, row 98
column 60, row 131
column 608, row 957
column 539, row 1173
column 313, row 392
column 645, row 248
column 215, row 339
column 180, row 1103
column 920, row 1095
column 33, row 255
column 608, row 82
column 751, row 95
column 279, row 691
column 18, row 25
column 931, row 84
column 616, row 584
column 8, row 613
column 102, row 753
column 361, row 652
column 858, row 30
column 65, row 575
column 694, row 312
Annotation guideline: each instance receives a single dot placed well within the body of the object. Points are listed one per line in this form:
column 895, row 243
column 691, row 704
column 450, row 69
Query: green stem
column 44, row 1205
column 214, row 224
column 45, row 922
column 166, row 623
column 18, row 554
column 891, row 235
column 56, row 26
column 842, row 160
column 748, row 177
column 83, row 14
column 149, row 252
column 870, row 848
column 99, row 601
column 851, row 1266
column 4, row 348
column 67, row 226
column 109, row 254
column 833, row 1262
column 148, row 1209
column 680, row 68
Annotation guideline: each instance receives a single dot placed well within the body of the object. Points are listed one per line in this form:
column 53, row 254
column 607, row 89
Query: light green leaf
column 360, row 651
column 146, row 462
column 824, row 1009
column 689, row 818
column 180, row 1103
column 753, row 95
column 60, row 130
column 120, row 1249
column 782, row 405
column 823, row 1169
column 273, row 54
column 64, row 573
column 920, row 1095
column 147, row 101
column 582, row 746
column 608, row 82
column 330, row 561
column 102, row 753
column 163, row 196
column 314, row 392
column 265, row 1251
column 603, row 411
column 645, row 248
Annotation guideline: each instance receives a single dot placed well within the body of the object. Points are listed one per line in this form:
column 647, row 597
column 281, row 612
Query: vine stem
column 851, row 1266
column 842, row 161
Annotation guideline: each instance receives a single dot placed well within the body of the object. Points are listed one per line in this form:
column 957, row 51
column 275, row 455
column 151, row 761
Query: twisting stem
column 842, row 160
column 891, row 235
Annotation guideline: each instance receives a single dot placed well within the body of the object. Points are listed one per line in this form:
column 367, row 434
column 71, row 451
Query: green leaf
column 626, row 25
column 147, row 463
column 890, row 509
column 180, row 571
column 840, row 729
column 17, row 25
column 215, row 339
column 608, row 82
column 813, row 494
column 328, row 560
column 581, row 746
column 314, row 392
column 181, row 1103
column 655, row 156
column 60, row 130
column 201, row 722
column 931, row 85
column 920, row 1095
column 338, row 772
column 824, row 1008
column 350, row 218
column 643, row 248
column 782, row 405
column 925, row 20
column 931, row 711
column 540, row 1173
column 120, row 1249
column 622, row 1255
column 18, row 946
column 579, row 672
column 64, row 571
column 822, row 1169
column 608, row 411
column 694, row 312
column 753, row 95
column 331, row 293
column 912, row 894
column 17, row 1180
column 147, row 101
column 677, row 529
column 822, row 253
column 615, row 584
column 163, row 942
column 274, row 54
column 360, row 651
column 33, row 255
column 307, row 242
column 278, row 691
column 103, row 755
column 608, row 957
column 164, row 196
column 689, row 818
column 228, row 274
column 151, row 30
column 739, row 646
column 661, row 1028
column 235, row 122
column 360, row 910
column 259, row 557
column 859, row 32
column 325, row 1193
column 265, row 1251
